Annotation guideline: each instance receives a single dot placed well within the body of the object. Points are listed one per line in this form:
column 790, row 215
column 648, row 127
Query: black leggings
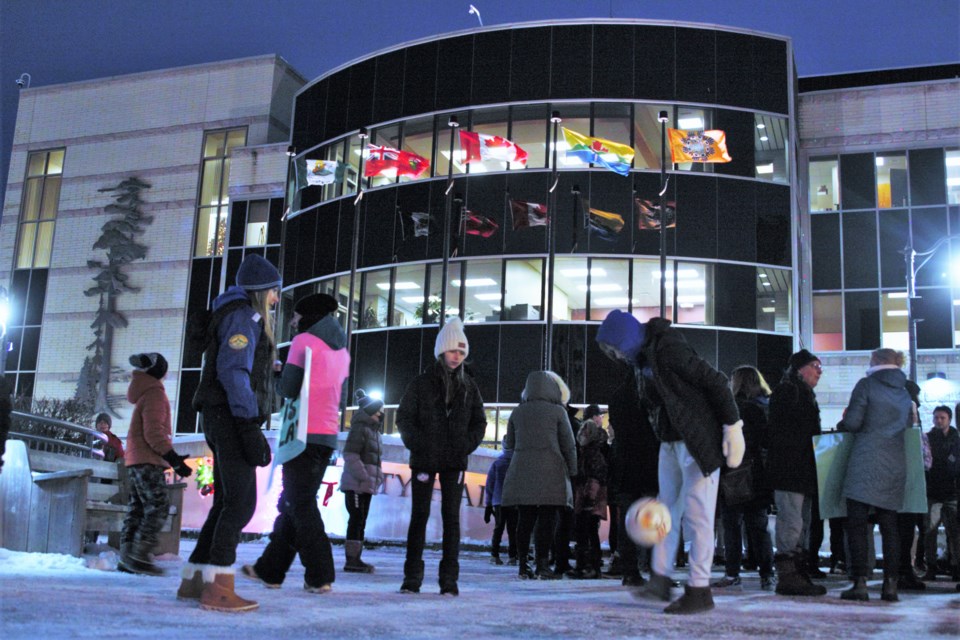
column 857, row 532
column 544, row 518
column 358, row 506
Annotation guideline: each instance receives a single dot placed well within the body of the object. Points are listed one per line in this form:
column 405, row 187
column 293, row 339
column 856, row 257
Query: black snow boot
column 889, row 591
column 525, row 572
column 353, row 549
column 908, row 581
column 138, row 559
column 791, row 581
column 857, row 591
column 693, row 600
column 657, row 588
column 544, row 572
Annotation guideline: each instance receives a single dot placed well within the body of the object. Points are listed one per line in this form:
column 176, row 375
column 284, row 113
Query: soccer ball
column 648, row 522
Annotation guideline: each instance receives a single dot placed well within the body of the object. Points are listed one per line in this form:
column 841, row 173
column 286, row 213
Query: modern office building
column 764, row 257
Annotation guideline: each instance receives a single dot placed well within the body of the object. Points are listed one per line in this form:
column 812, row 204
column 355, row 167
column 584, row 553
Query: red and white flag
column 478, row 147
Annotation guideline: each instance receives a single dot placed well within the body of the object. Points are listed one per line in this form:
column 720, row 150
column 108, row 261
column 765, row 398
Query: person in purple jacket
column 503, row 517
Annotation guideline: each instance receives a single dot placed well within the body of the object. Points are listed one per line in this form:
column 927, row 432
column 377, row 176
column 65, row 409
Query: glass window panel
column 258, row 215
column 29, row 349
column 225, row 182
column 55, row 162
column 893, row 319
column 612, row 122
column 953, row 176
column 827, row 322
column 528, row 128
column 210, row 183
column 452, row 292
column 524, row 290
column 32, row 191
column 862, row 320
column 343, row 297
column 236, row 138
column 576, row 117
column 409, row 295
column 891, row 180
column 693, row 119
column 647, row 135
column 481, row 290
column 570, row 289
column 41, row 256
column 824, row 181
column 956, row 317
column 51, row 198
column 860, row 264
column 418, row 139
column 609, row 287
column 36, row 164
column 490, row 435
column 694, row 292
column 492, row 122
column 771, row 142
column 387, row 137
column 857, row 181
column 352, row 176
column 645, row 298
column 213, row 145
column 206, row 228
column 28, row 234
column 376, row 299
column 773, row 299
column 503, row 418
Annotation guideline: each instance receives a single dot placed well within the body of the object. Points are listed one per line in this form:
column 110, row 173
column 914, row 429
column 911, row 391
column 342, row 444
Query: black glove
column 487, row 513
column 256, row 449
column 177, row 462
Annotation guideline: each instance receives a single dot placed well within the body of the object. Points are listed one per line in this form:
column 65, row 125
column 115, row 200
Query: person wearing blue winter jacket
column 504, row 517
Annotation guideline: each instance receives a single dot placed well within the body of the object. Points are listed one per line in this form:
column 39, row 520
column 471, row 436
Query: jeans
column 793, row 521
column 234, row 491
column 507, row 520
column 544, row 520
column 858, row 529
column 945, row 511
column 753, row 516
column 299, row 526
column 149, row 505
column 358, row 507
column 691, row 498
column 451, row 494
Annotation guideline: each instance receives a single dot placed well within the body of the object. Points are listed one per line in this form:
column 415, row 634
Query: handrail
column 37, row 441
column 53, row 442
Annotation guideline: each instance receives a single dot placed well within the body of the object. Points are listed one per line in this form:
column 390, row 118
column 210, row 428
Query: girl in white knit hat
column 441, row 421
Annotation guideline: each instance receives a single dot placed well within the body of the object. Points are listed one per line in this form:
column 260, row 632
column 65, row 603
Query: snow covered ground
column 53, row 596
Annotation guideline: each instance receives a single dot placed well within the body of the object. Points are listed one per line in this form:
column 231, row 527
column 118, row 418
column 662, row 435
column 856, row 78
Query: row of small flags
column 685, row 146
column 524, row 215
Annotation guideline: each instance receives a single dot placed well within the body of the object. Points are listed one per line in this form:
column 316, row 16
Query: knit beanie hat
column 367, row 404
column 317, row 305
column 153, row 364
column 452, row 338
column 623, row 332
column 257, row 274
column 592, row 412
column 801, row 359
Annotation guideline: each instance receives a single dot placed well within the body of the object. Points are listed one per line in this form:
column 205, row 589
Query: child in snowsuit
column 361, row 476
column 590, row 499
column 504, row 517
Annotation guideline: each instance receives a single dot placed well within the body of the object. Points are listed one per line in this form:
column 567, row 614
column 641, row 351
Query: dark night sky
column 59, row 41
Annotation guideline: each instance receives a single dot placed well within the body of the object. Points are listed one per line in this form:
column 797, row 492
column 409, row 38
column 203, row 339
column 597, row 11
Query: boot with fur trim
column 191, row 585
column 218, row 591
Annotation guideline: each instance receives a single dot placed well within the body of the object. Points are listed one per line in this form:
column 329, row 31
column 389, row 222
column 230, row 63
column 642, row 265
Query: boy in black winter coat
column 589, row 499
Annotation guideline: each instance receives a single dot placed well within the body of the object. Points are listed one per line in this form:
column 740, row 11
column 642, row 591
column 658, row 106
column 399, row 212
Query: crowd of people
column 678, row 430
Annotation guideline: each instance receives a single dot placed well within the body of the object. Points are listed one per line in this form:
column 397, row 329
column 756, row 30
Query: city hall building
column 792, row 242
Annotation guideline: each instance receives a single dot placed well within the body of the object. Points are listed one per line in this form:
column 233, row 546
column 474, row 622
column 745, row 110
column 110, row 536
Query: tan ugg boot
column 191, row 585
column 218, row 591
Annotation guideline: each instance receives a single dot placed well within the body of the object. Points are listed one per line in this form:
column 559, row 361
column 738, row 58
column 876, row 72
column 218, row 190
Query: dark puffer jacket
column 944, row 474
column 439, row 437
column 696, row 397
column 362, row 454
column 635, row 451
column 794, row 420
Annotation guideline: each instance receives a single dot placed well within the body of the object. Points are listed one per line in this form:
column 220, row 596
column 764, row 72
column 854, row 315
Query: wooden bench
column 49, row 500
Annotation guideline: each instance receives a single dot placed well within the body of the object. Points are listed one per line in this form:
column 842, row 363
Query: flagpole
column 662, row 117
column 551, row 242
column 453, row 123
column 355, row 250
column 576, row 216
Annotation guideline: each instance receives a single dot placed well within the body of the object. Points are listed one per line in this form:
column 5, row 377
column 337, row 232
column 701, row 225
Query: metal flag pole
column 454, row 124
column 551, row 243
column 363, row 135
column 662, row 214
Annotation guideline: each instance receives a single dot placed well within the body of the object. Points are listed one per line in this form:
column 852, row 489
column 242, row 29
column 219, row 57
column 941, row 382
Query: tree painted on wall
column 119, row 240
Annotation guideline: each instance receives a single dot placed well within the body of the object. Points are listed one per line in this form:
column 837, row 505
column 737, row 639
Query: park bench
column 49, row 500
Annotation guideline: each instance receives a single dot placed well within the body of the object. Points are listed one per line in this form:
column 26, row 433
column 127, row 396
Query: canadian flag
column 478, row 147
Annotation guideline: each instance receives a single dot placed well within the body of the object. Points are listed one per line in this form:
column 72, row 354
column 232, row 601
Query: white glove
column 733, row 445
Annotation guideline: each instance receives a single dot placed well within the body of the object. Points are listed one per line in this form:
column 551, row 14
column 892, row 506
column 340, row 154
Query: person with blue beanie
column 695, row 417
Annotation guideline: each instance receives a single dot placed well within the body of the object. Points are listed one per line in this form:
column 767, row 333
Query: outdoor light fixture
column 662, row 116
column 363, row 134
column 555, row 117
column 291, row 151
column 453, row 122
column 910, row 256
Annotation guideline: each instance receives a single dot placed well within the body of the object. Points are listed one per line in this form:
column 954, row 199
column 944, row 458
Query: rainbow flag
column 612, row 155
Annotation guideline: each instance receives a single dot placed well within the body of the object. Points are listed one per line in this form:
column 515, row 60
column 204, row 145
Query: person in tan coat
column 149, row 453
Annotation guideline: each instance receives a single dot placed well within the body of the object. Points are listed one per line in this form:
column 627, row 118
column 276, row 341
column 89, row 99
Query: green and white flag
column 322, row 172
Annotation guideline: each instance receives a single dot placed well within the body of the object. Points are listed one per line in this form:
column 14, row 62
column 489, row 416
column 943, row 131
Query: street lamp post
column 910, row 257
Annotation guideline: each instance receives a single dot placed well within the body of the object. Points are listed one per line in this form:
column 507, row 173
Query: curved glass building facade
column 731, row 273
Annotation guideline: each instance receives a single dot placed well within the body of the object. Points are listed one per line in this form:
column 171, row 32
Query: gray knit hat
column 257, row 274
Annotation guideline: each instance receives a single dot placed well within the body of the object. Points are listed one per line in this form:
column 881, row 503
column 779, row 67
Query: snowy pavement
column 53, row 596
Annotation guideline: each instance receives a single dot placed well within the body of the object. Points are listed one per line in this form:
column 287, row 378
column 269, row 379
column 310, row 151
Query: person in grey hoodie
column 361, row 476
column 544, row 460
column 880, row 410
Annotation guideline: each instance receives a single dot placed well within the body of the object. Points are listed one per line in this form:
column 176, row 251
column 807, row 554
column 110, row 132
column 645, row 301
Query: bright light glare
column 581, row 272
column 376, row 394
column 476, row 282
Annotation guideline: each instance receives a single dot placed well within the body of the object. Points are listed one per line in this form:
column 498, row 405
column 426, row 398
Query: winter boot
column 544, row 572
column 138, row 559
column 908, row 582
column 791, row 581
column 615, row 569
column 353, row 549
column 889, row 591
column 693, row 600
column 191, row 585
column 250, row 571
column 218, row 591
column 525, row 572
column 858, row 591
column 657, row 588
